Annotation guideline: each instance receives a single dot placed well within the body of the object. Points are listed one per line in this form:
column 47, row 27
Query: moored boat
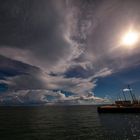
column 122, row 106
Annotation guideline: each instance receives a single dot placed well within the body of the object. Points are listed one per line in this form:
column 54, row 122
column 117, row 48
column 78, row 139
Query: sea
column 66, row 123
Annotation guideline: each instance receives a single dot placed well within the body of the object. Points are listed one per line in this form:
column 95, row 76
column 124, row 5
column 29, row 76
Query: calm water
column 66, row 123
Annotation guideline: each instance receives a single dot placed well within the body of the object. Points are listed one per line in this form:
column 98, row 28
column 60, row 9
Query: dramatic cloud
column 63, row 45
column 34, row 97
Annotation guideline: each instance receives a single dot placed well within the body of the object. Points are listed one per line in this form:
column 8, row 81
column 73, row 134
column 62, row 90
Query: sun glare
column 130, row 38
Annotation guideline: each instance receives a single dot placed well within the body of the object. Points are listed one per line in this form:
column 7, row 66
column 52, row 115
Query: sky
column 67, row 51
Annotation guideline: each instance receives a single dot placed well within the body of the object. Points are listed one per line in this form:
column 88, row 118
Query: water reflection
column 121, row 126
column 66, row 123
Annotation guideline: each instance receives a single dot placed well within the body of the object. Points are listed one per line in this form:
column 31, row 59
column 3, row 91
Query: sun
column 130, row 38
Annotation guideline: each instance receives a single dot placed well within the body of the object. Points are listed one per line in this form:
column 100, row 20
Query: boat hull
column 118, row 109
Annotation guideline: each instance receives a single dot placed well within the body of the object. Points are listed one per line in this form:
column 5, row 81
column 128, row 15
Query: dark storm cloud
column 22, row 22
column 17, row 75
column 37, row 27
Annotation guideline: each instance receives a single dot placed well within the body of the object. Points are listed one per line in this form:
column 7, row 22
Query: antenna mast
column 132, row 95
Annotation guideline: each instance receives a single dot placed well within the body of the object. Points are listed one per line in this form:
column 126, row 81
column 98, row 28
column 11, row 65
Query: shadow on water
column 121, row 126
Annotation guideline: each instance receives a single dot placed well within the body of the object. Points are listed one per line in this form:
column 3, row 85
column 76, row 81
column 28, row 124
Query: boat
column 122, row 106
